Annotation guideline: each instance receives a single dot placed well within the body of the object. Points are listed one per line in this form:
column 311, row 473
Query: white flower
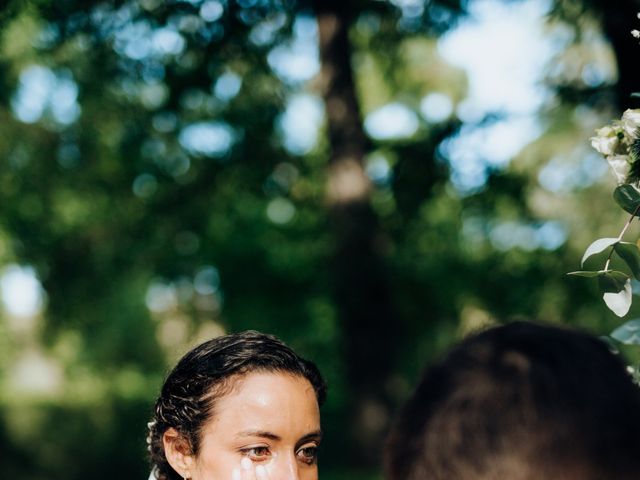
column 635, row 33
column 630, row 122
column 621, row 165
column 606, row 141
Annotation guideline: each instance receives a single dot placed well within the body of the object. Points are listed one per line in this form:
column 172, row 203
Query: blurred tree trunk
column 359, row 279
column 618, row 19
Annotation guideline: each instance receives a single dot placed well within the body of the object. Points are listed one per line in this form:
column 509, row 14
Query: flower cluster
column 619, row 143
column 616, row 142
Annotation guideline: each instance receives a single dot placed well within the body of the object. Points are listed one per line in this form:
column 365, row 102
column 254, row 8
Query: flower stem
column 622, row 232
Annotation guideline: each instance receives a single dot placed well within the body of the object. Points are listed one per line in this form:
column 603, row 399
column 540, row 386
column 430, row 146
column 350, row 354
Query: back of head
column 520, row 402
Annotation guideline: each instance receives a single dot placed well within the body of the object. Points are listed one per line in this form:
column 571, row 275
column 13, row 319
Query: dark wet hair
column 521, row 401
column 206, row 373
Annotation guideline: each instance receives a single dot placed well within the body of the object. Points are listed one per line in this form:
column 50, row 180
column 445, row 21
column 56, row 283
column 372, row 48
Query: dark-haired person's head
column 520, row 402
column 238, row 406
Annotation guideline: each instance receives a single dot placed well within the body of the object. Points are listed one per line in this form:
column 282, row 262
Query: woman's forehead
column 266, row 401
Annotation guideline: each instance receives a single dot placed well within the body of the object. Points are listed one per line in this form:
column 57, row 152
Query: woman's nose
column 286, row 468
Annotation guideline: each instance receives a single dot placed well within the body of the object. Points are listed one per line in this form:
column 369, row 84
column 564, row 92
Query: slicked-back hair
column 208, row 372
column 520, row 402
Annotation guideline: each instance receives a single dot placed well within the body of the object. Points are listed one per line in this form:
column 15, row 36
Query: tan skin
column 266, row 428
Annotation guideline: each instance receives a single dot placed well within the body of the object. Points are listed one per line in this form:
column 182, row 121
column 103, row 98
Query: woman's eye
column 256, row 453
column 308, row 455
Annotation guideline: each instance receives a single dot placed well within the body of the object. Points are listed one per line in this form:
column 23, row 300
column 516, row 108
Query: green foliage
column 598, row 246
column 145, row 244
column 628, row 197
column 631, row 255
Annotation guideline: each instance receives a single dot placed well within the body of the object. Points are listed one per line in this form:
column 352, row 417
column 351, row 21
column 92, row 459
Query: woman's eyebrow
column 317, row 435
column 259, row 433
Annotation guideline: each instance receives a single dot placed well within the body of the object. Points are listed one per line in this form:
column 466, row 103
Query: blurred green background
column 368, row 180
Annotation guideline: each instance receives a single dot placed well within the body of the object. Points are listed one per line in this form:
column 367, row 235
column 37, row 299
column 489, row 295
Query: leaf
column 627, row 197
column 628, row 333
column 635, row 95
column 630, row 253
column 597, row 247
column 584, row 273
column 616, row 291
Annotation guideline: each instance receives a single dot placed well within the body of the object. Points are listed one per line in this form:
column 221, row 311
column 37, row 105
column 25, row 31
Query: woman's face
column 269, row 420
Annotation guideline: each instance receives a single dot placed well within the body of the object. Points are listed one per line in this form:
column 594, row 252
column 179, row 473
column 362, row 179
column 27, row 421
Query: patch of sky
column 549, row 235
column 412, row 11
column 436, row 107
column 134, row 40
column 582, row 169
column 166, row 41
column 391, row 121
column 264, row 32
column 211, row 10
column 107, row 21
column 211, row 139
column 479, row 149
column 140, row 41
column 300, row 123
column 161, row 296
column 378, row 169
column 298, row 60
column 227, row 86
column 504, row 48
column 43, row 92
column 153, row 94
column 20, row 290
column 207, row 280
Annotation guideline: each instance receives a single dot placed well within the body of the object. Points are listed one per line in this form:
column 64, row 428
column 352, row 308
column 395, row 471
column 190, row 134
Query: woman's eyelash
column 309, row 454
column 256, row 453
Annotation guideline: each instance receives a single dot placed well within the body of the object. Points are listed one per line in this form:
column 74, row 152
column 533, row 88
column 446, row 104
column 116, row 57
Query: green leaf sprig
column 619, row 144
column 615, row 285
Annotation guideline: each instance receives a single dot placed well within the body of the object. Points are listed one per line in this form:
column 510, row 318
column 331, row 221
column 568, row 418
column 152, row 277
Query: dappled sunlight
column 186, row 308
column 297, row 61
column 504, row 47
column 212, row 139
column 392, row 121
column 42, row 92
column 436, row 107
column 227, row 86
column 34, row 374
column 477, row 150
column 300, row 123
column 378, row 169
column 280, row 211
column 21, row 292
column 560, row 176
column 507, row 235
